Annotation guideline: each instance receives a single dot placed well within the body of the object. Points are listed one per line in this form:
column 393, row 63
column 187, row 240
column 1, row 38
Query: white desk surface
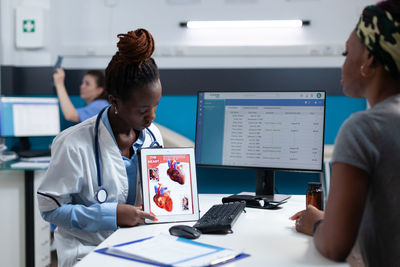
column 267, row 235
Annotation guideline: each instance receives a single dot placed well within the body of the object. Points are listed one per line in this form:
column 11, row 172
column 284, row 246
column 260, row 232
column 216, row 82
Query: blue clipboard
column 104, row 251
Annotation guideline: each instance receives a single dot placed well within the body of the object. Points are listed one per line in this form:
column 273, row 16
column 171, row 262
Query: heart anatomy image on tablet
column 170, row 191
column 162, row 198
column 175, row 171
column 169, row 188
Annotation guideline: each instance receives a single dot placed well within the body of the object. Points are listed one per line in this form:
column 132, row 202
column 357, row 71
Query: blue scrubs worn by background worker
column 93, row 108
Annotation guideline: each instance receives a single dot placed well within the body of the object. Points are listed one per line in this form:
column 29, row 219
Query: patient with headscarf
column 363, row 200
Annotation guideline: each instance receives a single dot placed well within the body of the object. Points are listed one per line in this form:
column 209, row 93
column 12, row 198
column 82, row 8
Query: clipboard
column 167, row 247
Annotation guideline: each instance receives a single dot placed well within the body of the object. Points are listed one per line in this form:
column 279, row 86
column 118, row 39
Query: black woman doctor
column 91, row 187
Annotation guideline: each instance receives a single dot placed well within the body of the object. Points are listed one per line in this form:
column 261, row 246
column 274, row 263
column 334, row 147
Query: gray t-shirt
column 370, row 140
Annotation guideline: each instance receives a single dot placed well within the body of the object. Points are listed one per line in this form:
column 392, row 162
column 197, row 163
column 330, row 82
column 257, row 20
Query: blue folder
column 104, row 251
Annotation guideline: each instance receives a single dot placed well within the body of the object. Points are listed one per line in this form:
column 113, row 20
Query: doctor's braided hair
column 132, row 67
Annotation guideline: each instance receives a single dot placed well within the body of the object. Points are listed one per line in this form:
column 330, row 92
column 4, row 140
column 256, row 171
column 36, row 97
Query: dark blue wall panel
column 177, row 111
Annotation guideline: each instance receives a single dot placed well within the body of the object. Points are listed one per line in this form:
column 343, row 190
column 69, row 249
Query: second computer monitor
column 29, row 116
column 270, row 130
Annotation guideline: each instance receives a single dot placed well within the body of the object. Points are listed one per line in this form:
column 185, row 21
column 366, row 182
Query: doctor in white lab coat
column 88, row 207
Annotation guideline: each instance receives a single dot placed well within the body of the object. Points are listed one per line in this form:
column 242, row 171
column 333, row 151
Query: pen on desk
column 223, row 259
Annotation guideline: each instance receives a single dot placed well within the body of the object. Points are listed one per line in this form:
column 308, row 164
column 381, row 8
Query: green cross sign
column 28, row 25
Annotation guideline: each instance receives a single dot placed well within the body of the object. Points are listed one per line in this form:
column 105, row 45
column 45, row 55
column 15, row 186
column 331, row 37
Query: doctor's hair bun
column 132, row 67
column 135, row 46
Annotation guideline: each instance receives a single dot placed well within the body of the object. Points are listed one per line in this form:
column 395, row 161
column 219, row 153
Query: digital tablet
column 169, row 184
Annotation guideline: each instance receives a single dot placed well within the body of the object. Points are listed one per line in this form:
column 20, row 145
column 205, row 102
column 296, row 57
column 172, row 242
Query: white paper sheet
column 170, row 250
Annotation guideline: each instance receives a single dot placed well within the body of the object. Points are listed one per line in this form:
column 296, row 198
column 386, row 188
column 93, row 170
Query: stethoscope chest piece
column 101, row 195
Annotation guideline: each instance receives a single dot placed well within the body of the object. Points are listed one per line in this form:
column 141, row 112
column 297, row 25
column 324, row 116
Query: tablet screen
column 169, row 184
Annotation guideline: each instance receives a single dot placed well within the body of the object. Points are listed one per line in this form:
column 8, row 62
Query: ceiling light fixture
column 296, row 23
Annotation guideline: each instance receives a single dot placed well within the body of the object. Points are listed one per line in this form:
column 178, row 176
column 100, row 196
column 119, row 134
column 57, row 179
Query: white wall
column 85, row 32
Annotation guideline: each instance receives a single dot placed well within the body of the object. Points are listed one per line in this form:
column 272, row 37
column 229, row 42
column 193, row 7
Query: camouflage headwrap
column 381, row 34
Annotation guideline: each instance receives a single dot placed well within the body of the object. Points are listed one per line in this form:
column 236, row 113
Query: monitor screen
column 29, row 116
column 276, row 130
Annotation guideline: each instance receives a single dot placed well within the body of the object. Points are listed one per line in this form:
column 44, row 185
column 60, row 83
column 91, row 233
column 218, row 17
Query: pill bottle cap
column 314, row 184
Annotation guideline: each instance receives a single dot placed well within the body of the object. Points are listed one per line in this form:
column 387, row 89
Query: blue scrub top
column 91, row 109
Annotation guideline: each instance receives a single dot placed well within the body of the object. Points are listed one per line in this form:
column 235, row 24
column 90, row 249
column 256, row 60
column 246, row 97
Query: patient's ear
column 370, row 63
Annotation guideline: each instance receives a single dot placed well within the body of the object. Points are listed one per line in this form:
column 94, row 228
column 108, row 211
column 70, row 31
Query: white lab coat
column 72, row 178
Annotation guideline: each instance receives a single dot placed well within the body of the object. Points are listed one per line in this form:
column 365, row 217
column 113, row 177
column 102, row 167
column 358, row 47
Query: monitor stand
column 25, row 144
column 264, row 197
column 265, row 185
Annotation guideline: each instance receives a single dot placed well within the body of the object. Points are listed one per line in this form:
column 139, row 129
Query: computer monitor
column 267, row 131
column 29, row 116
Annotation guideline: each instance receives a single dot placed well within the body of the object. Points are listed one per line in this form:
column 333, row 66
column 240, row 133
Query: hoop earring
column 362, row 71
column 363, row 74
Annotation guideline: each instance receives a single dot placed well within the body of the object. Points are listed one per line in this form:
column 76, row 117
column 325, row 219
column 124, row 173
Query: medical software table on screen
column 279, row 130
column 29, row 116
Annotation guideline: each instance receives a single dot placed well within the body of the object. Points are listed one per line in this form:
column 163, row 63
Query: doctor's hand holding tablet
column 92, row 186
column 128, row 215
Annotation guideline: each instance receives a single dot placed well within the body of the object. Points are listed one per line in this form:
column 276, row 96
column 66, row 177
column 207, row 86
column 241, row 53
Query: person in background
column 363, row 201
column 88, row 192
column 91, row 90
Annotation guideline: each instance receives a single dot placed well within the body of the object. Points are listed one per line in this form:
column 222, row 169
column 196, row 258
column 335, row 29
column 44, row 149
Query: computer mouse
column 185, row 231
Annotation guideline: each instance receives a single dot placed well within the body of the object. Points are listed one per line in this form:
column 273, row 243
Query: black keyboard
column 220, row 217
column 34, row 153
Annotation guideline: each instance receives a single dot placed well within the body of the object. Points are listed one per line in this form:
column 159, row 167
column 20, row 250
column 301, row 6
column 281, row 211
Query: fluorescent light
column 245, row 24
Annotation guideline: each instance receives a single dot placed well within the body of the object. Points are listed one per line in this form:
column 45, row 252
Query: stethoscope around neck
column 101, row 193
